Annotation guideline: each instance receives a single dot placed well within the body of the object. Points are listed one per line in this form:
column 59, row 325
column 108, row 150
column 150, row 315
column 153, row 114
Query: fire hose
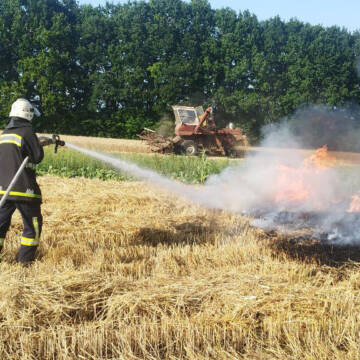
column 44, row 141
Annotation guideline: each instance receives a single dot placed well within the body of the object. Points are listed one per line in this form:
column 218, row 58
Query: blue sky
column 325, row 12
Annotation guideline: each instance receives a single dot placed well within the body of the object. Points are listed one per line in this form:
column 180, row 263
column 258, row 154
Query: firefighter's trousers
column 32, row 219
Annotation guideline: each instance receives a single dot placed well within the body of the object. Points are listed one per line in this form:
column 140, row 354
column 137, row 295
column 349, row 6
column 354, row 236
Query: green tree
column 114, row 69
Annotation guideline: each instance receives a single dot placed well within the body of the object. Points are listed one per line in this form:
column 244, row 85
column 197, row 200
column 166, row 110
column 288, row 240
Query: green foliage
column 165, row 127
column 189, row 169
column 112, row 70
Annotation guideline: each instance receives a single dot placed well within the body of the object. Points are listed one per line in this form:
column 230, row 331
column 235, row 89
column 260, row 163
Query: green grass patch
column 69, row 163
column 193, row 170
column 188, row 169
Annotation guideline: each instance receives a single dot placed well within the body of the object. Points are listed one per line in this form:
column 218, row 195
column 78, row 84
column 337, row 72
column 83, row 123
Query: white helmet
column 24, row 109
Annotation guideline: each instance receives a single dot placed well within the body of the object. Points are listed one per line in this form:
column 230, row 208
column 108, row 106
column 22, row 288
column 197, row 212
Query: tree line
column 112, row 70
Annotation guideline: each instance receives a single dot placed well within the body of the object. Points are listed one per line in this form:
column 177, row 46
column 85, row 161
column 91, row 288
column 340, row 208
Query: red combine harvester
column 195, row 131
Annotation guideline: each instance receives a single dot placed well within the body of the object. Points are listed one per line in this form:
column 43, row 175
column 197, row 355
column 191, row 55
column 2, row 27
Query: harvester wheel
column 189, row 147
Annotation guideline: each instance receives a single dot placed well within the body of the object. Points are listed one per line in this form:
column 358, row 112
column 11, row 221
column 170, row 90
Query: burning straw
column 285, row 191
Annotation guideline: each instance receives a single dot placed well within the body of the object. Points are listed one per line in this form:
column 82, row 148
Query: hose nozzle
column 56, row 140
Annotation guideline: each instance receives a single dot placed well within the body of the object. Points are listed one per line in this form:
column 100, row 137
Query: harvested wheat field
column 107, row 144
column 127, row 272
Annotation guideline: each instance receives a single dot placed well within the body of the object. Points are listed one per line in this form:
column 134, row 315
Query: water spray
column 151, row 176
column 211, row 195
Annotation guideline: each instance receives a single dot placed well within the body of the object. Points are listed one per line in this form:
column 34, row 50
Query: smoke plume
column 287, row 188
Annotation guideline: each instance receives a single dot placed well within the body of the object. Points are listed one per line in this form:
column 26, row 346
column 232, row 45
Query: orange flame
column 292, row 185
column 355, row 204
column 320, row 159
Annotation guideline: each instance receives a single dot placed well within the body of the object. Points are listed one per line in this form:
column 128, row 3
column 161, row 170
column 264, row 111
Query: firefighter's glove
column 55, row 139
column 45, row 141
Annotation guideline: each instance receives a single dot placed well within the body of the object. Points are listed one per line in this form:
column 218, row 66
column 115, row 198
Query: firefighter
column 18, row 141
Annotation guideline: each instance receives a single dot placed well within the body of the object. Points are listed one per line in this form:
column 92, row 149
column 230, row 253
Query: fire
column 355, row 204
column 293, row 187
column 320, row 159
column 292, row 184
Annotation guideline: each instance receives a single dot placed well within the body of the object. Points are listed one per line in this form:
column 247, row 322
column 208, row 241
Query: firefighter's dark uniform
column 18, row 141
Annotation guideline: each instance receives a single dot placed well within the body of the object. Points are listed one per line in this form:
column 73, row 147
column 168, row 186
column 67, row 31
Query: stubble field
column 128, row 271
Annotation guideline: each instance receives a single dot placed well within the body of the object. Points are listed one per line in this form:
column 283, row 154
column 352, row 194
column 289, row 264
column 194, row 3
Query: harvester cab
column 187, row 115
column 193, row 117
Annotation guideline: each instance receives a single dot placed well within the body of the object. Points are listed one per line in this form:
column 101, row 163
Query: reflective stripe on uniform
column 11, row 139
column 16, row 193
column 14, row 135
column 2, row 241
column 29, row 242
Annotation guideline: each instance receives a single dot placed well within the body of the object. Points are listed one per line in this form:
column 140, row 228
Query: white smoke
column 252, row 186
